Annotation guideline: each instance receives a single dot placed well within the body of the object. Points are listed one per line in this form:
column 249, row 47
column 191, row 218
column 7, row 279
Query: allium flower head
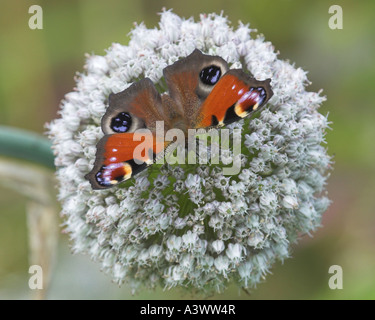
column 189, row 225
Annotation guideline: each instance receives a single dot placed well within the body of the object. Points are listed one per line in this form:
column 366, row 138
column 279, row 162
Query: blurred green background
column 37, row 68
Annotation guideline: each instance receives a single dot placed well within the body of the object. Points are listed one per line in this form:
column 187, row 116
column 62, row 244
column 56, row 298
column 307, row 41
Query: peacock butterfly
column 203, row 93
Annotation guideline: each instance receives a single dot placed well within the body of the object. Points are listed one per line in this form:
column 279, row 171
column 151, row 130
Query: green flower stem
column 36, row 184
column 26, row 145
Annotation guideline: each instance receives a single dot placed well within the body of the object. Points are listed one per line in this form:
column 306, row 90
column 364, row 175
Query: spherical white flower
column 189, row 225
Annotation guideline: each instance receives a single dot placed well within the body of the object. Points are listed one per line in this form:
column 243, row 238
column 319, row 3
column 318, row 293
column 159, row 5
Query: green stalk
column 26, row 145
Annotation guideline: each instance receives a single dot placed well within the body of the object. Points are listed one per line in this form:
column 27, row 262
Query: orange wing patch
column 120, row 156
column 221, row 98
column 232, row 99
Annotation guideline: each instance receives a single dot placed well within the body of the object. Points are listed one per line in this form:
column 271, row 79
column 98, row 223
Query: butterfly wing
column 209, row 94
column 203, row 92
column 138, row 106
column 119, row 153
column 184, row 82
column 121, row 156
column 235, row 96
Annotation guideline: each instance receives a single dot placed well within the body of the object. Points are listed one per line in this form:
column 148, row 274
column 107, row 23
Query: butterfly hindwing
column 184, row 81
column 138, row 106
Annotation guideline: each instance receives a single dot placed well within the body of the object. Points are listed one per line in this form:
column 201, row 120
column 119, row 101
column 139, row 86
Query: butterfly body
column 203, row 92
